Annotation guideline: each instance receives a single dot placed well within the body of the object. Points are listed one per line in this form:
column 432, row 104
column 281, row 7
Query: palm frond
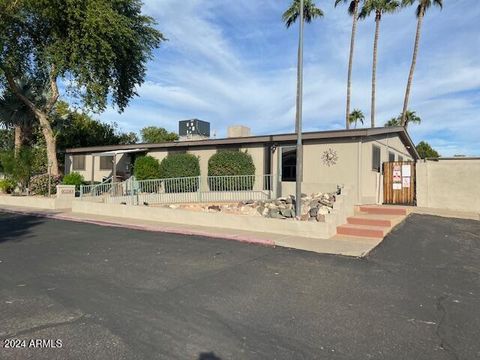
column 379, row 6
column 310, row 12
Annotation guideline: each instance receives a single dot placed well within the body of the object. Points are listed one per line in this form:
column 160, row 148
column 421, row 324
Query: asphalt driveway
column 111, row 293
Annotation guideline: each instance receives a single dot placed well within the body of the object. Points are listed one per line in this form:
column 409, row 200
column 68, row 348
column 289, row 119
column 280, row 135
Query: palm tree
column 306, row 10
column 15, row 113
column 356, row 116
column 392, row 122
column 423, row 6
column 410, row 117
column 380, row 7
column 310, row 12
column 353, row 11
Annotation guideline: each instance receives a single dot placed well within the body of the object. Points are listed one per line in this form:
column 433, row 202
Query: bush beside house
column 7, row 186
column 39, row 184
column 146, row 168
column 73, row 178
column 180, row 166
column 231, row 163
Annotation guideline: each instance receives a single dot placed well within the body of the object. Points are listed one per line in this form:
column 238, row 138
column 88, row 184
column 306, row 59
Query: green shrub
column 180, row 166
column 7, row 186
column 18, row 167
column 74, row 178
column 146, row 167
column 39, row 184
column 231, row 163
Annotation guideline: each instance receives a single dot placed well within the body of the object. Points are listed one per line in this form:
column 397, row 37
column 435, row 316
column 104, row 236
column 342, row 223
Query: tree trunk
column 374, row 68
column 350, row 64
column 18, row 138
column 51, row 142
column 42, row 117
column 412, row 69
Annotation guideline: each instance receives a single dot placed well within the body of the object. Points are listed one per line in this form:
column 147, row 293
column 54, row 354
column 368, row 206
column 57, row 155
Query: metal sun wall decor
column 330, row 157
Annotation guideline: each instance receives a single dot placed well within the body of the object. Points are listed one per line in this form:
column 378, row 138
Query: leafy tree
column 426, row 151
column 77, row 129
column 353, row 12
column 310, row 12
column 155, row 135
column 127, row 138
column 356, row 116
column 423, row 6
column 99, row 47
column 379, row 7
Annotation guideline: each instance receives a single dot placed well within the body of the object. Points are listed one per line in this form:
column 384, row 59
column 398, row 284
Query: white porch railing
column 182, row 190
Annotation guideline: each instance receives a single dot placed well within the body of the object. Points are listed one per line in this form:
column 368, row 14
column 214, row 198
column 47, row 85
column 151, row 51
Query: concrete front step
column 374, row 219
column 363, row 230
column 383, row 210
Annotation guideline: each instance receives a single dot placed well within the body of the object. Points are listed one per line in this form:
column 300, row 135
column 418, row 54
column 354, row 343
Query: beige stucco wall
column 122, row 162
column 353, row 168
column 371, row 182
column 449, row 184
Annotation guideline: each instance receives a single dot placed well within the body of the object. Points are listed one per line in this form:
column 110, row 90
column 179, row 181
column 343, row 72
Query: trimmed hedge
column 180, row 166
column 231, row 163
column 74, row 178
column 147, row 167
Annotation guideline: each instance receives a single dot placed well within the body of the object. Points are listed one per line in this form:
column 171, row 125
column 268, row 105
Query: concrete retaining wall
column 342, row 208
column 452, row 184
column 36, row 202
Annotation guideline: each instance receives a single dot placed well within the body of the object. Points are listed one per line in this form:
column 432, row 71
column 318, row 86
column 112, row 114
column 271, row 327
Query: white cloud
column 234, row 62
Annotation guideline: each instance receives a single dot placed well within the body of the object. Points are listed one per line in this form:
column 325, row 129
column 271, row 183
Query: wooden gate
column 399, row 183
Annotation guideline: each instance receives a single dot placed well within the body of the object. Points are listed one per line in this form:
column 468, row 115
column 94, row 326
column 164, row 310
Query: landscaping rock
column 289, row 213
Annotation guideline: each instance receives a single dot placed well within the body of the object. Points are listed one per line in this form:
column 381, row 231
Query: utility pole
column 298, row 123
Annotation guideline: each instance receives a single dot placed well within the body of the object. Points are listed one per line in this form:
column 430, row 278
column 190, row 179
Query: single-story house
column 350, row 158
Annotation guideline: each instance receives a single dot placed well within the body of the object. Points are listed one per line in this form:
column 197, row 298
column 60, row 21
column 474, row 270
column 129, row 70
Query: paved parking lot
column 111, row 293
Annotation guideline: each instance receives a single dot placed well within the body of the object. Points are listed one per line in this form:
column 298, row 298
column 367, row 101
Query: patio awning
column 119, row 152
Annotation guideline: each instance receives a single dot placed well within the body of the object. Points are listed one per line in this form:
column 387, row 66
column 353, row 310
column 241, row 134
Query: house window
column 400, row 158
column 106, row 162
column 376, row 158
column 289, row 164
column 78, row 162
column 391, row 156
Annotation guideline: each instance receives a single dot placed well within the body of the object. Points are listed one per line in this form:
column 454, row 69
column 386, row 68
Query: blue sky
column 234, row 62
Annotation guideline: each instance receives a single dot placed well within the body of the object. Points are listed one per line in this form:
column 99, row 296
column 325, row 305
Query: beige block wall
column 122, row 162
column 449, row 184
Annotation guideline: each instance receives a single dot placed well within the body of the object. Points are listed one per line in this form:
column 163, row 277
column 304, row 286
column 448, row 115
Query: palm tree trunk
column 350, row 64
column 18, row 138
column 412, row 69
column 374, row 68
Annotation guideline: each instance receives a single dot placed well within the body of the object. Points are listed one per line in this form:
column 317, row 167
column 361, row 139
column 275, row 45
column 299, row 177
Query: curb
column 149, row 228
